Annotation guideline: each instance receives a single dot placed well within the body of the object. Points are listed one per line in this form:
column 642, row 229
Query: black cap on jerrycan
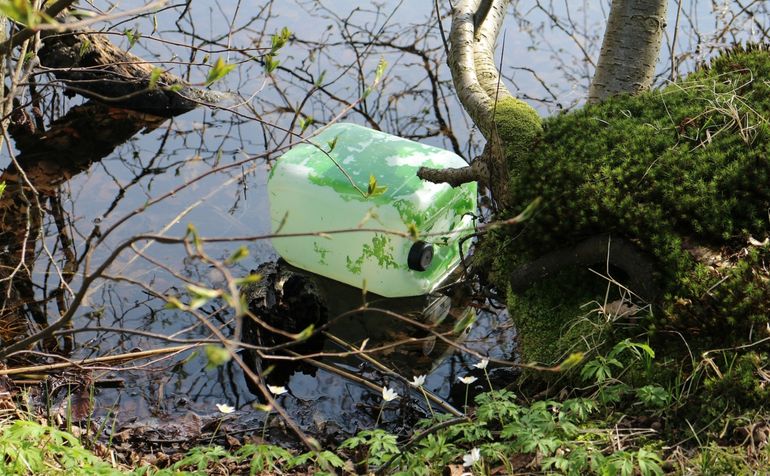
column 420, row 256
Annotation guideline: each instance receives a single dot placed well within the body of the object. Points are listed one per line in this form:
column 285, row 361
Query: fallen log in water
column 90, row 65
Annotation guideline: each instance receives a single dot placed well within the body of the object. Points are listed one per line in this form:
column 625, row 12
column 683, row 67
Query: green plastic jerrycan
column 309, row 193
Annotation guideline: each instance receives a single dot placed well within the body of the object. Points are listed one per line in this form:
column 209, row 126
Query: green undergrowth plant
column 616, row 422
column 509, row 436
column 503, row 434
column 27, row 447
column 252, row 459
column 372, row 447
column 31, row 448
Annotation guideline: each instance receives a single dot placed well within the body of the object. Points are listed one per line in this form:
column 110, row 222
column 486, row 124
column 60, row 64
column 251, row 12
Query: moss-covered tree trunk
column 680, row 175
column 653, row 228
column 511, row 126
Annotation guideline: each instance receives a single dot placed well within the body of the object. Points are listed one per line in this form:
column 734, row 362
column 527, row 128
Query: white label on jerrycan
column 310, row 193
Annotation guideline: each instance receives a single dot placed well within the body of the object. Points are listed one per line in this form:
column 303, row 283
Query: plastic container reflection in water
column 310, row 193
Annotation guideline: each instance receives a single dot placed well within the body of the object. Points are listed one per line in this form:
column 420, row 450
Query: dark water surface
column 224, row 201
column 341, row 42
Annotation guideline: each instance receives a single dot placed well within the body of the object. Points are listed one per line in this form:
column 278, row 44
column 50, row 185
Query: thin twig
column 98, row 360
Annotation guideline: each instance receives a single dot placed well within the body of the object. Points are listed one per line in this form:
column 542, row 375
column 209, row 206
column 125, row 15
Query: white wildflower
column 388, row 394
column 225, row 408
column 482, row 365
column 468, row 380
column 418, row 381
column 275, row 390
column 472, row 458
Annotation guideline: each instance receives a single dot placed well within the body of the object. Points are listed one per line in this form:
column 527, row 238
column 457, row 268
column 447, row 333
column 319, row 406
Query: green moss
column 715, row 460
column 729, row 303
column 682, row 172
column 736, row 385
column 686, row 164
column 518, row 124
column 561, row 299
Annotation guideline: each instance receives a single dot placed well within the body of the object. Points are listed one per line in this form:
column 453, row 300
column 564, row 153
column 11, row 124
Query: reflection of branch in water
column 46, row 160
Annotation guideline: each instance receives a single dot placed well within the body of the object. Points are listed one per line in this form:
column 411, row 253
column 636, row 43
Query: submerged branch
column 107, row 359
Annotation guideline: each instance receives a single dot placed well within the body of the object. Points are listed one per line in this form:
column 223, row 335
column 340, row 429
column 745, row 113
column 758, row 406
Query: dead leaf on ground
column 457, row 470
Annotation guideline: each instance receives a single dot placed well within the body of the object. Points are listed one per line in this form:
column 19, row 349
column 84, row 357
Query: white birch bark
column 630, row 48
column 485, row 38
column 475, row 27
column 462, row 63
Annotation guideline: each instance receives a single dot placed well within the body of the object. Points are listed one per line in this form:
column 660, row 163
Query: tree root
column 605, row 250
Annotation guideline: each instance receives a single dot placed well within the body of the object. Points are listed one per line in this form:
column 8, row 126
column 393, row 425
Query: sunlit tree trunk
column 627, row 64
column 497, row 114
column 630, row 48
column 475, row 26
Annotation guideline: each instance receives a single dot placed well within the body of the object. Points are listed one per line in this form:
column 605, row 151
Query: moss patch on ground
column 569, row 302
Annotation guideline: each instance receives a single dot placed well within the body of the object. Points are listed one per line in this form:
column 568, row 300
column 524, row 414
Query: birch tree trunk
column 630, row 48
column 626, row 65
column 508, row 124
